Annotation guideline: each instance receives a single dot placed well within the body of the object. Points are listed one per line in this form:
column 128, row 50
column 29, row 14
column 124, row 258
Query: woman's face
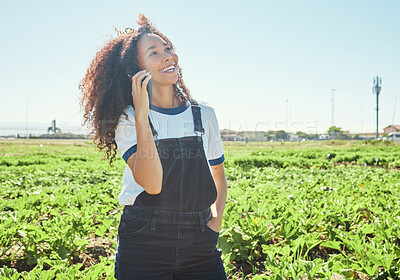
column 157, row 57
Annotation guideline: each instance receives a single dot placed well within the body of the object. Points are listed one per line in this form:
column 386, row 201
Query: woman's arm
column 145, row 162
column 217, row 208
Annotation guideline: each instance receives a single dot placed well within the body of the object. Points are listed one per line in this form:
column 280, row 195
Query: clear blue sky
column 251, row 60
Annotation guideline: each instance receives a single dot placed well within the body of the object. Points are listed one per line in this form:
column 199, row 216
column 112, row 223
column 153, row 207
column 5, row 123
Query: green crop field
column 310, row 210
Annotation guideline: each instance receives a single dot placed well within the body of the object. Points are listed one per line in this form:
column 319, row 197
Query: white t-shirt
column 169, row 123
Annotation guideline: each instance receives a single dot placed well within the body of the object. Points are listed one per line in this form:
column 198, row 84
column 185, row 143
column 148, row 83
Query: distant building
column 369, row 135
column 228, row 135
column 252, row 135
column 249, row 135
column 394, row 136
column 391, row 128
column 293, row 137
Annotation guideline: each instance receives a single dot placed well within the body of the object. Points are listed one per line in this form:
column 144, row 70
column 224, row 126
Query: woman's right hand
column 140, row 95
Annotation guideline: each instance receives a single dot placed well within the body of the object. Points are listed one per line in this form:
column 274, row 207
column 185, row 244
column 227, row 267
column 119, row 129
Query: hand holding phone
column 149, row 87
column 140, row 93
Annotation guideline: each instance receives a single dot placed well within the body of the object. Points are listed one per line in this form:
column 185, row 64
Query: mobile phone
column 150, row 89
column 149, row 86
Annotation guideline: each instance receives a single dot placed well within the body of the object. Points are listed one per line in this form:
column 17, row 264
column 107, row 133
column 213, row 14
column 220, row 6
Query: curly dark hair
column 107, row 89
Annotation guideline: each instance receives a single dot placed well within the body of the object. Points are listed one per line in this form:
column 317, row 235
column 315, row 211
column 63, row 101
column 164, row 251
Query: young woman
column 174, row 186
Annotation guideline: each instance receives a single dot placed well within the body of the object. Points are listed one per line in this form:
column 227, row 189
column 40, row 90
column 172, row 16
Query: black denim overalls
column 165, row 236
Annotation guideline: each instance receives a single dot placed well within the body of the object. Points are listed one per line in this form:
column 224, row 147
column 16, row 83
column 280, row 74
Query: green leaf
column 7, row 273
column 225, row 245
column 331, row 244
column 63, row 252
column 260, row 277
column 237, row 238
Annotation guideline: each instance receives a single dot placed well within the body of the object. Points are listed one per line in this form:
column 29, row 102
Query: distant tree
column 281, row 135
column 336, row 132
column 312, row 136
column 302, row 135
column 333, row 131
column 270, row 135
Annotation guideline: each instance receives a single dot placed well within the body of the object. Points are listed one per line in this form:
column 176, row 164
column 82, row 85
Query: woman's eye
column 168, row 49
column 153, row 53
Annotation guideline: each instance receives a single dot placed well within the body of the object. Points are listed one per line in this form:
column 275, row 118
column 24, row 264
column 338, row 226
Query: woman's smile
column 169, row 69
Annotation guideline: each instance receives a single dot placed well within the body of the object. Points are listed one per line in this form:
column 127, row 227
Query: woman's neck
column 164, row 97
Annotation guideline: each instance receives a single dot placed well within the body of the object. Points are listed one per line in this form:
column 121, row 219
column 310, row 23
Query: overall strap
column 153, row 130
column 198, row 126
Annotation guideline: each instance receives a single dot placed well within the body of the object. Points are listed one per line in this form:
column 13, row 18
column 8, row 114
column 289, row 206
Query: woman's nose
column 167, row 57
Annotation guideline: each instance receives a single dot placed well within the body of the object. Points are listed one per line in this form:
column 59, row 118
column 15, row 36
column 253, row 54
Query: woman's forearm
column 145, row 163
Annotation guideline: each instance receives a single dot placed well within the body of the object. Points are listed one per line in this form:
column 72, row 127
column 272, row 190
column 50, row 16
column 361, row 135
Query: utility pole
column 394, row 112
column 333, row 113
column 27, row 132
column 362, row 127
column 376, row 89
column 287, row 115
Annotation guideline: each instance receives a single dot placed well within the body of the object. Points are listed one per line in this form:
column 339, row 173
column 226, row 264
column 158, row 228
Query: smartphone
column 150, row 89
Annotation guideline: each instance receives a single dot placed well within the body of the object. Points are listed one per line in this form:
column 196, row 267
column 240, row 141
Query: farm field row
column 293, row 209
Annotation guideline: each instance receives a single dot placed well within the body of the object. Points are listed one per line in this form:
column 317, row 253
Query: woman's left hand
column 214, row 223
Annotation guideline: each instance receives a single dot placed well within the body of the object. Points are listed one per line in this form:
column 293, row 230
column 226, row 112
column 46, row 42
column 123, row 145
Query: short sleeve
column 215, row 151
column 125, row 134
